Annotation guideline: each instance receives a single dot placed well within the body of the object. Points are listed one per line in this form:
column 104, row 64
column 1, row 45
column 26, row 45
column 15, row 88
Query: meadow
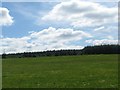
column 84, row 71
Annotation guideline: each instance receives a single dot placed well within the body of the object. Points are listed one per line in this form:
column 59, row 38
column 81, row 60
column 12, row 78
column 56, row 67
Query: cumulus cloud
column 47, row 39
column 60, row 35
column 14, row 44
column 82, row 13
column 5, row 18
column 102, row 41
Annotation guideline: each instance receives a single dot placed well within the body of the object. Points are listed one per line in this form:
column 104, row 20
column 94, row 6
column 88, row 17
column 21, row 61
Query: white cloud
column 47, row 39
column 110, row 37
column 100, row 28
column 14, row 44
column 5, row 18
column 62, row 35
column 52, row 38
column 31, row 32
column 102, row 41
column 82, row 13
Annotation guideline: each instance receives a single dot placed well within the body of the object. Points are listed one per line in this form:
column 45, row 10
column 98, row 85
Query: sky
column 41, row 26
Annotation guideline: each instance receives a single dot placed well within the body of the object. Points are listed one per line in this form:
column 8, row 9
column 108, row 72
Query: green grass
column 86, row 71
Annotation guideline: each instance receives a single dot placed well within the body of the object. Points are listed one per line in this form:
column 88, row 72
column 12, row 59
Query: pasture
column 85, row 71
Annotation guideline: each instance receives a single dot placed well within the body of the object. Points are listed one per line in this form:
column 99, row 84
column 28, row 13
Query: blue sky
column 24, row 23
column 39, row 26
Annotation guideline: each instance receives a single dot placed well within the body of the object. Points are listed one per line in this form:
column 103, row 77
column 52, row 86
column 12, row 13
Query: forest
column 99, row 49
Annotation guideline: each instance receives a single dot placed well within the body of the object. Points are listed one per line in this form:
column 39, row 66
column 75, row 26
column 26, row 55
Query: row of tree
column 102, row 49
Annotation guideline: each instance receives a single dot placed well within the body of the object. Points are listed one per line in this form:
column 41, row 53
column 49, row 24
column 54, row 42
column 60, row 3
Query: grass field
column 86, row 71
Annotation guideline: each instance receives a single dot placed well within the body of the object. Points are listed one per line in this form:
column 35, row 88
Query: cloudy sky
column 39, row 26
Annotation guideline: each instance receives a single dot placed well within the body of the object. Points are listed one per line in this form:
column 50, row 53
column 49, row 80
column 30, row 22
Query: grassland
column 86, row 71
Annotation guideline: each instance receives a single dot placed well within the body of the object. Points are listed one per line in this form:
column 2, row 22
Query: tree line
column 101, row 49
